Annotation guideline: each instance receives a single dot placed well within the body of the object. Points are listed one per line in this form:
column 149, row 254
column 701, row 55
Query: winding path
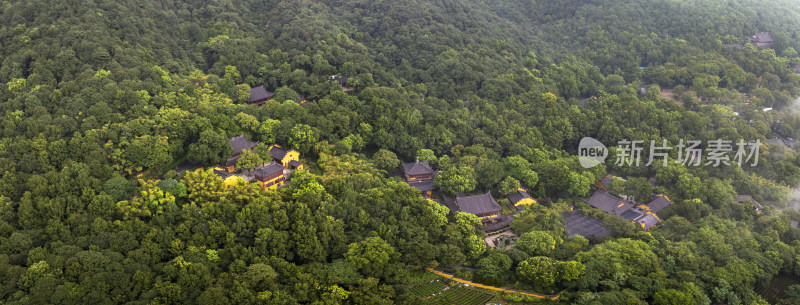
column 463, row 281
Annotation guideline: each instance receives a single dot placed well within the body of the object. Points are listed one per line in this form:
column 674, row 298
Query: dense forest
column 101, row 101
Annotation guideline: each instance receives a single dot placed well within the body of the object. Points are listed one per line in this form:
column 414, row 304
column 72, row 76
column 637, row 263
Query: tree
column 537, row 243
column 508, row 185
column 489, row 172
column 539, row 270
column 303, row 137
column 267, row 129
column 372, row 254
column 579, row 184
column 639, row 188
column 249, row 160
column 284, row 93
column 151, row 201
column 467, row 222
column 571, row 270
column 118, row 187
column 173, row 187
column 212, row 147
column 616, row 185
column 529, row 178
column 459, row 178
column 614, row 84
column 493, row 268
column 386, row 160
column 689, row 185
column 262, row 150
column 427, row 155
column 149, row 151
column 475, row 246
column 248, row 123
column 672, row 297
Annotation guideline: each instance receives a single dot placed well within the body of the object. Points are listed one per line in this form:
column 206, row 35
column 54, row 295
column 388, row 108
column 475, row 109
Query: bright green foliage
column 672, row 297
column 467, row 222
column 95, row 94
column 456, row 178
column 569, row 271
column 540, row 270
column 267, row 130
column 173, row 187
column 537, row 243
column 249, row 160
column 303, row 138
column 427, row 155
column 579, row 184
column 372, row 254
column 151, row 201
column 508, row 185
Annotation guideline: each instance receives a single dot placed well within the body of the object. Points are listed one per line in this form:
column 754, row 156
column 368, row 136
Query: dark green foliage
column 96, row 95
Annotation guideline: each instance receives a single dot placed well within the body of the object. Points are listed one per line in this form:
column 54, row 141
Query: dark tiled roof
column 608, row 203
column 423, row 185
column 517, row 196
column 342, row 80
column 659, row 203
column 777, row 141
column 606, row 180
column 503, row 223
column 738, row 46
column 187, row 166
column 269, row 170
column 222, row 174
column 748, row 198
column 450, row 203
column 477, row 204
column 295, row 163
column 578, row 223
column 259, row 94
column 240, row 143
column 232, row 161
column 278, row 152
column 417, row 168
column 641, row 216
column 761, row 37
column 649, row 220
column 632, row 214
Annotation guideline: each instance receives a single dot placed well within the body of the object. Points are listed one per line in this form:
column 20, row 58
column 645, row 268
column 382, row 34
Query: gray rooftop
column 608, row 203
column 270, row 169
column 222, row 174
column 761, row 37
column 417, row 168
column 503, row 223
column 240, row 143
column 423, row 185
column 477, row 204
column 259, row 94
column 232, row 160
column 278, row 152
column 581, row 224
column 649, row 220
column 641, row 216
column 659, row 203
